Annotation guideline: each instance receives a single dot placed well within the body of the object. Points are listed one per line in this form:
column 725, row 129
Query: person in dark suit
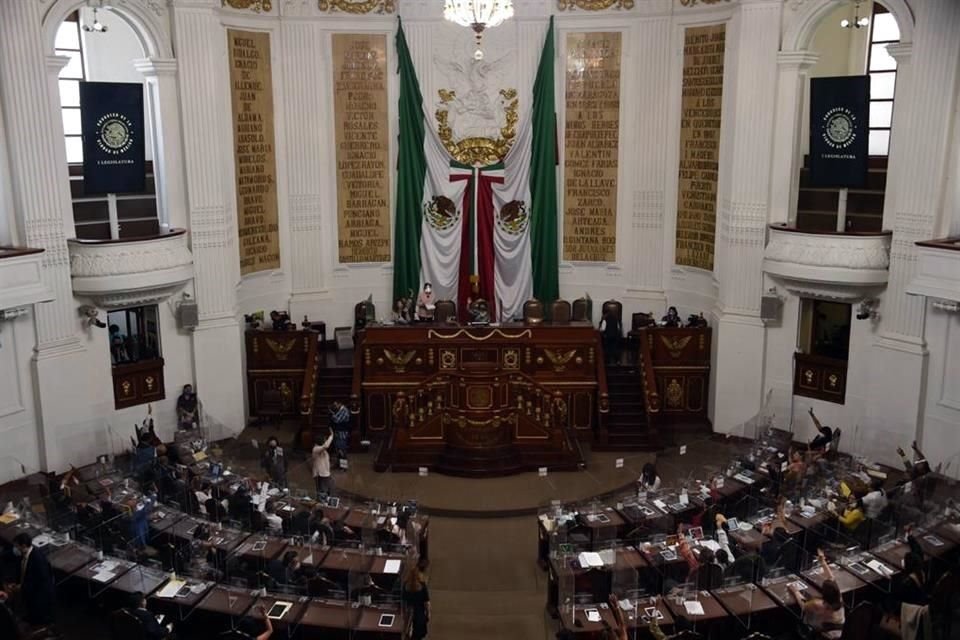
column 36, row 584
column 152, row 629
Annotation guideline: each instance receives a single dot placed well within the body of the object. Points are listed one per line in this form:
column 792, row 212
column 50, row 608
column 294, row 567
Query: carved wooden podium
column 480, row 401
column 681, row 364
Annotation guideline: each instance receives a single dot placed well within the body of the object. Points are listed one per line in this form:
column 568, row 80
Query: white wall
column 18, row 430
column 109, row 56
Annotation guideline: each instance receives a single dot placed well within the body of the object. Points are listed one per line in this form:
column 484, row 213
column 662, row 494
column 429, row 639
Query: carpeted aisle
column 484, row 581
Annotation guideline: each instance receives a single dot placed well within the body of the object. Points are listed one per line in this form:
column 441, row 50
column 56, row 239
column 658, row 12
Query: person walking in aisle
column 416, row 597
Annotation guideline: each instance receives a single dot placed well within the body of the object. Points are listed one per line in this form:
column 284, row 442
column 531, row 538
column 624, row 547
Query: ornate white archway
column 799, row 32
column 147, row 19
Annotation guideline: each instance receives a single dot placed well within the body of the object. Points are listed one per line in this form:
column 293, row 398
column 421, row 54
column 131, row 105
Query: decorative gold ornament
column 399, row 359
column 281, row 350
column 448, row 359
column 511, row 359
column 255, row 5
column 594, row 5
column 693, row 3
column 125, row 387
column 674, row 394
column 833, row 380
column 358, row 6
column 675, row 345
column 526, row 333
column 149, row 381
column 479, row 152
column 559, row 360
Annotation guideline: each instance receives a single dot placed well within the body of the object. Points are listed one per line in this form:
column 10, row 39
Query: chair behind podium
column 560, row 312
column 533, row 312
column 613, row 307
column 445, row 310
column 583, row 310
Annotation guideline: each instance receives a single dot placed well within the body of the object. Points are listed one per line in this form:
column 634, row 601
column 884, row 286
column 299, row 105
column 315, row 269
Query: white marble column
column 651, row 37
column 306, row 73
column 201, row 45
column 743, row 211
column 924, row 107
column 163, row 104
column 793, row 67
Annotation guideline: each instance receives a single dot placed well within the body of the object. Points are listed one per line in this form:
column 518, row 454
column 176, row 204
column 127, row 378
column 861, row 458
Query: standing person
column 274, row 462
column 187, row 408
column 824, row 437
column 425, row 303
column 35, row 584
column 416, row 597
column 340, row 424
column 612, row 333
column 321, row 464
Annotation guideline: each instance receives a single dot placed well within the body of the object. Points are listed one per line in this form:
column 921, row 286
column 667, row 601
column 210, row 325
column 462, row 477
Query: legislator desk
column 750, row 606
column 778, row 589
column 480, row 401
column 714, row 617
column 574, row 618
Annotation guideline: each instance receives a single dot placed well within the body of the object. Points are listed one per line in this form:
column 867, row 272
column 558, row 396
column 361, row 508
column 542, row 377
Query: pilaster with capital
column 307, row 112
column 919, row 156
column 792, row 69
column 164, row 106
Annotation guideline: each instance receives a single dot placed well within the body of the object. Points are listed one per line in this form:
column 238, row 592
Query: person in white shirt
column 321, row 464
column 649, row 480
column 876, row 501
column 274, row 522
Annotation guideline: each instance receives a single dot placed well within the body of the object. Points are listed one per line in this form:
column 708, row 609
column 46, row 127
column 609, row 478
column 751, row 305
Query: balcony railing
column 938, row 270
column 129, row 271
column 838, row 265
column 21, row 281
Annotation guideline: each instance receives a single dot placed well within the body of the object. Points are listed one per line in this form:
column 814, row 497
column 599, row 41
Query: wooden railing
column 648, row 382
column 309, row 388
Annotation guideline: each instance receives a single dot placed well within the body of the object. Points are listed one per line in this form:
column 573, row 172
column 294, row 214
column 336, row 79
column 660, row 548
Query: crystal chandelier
column 478, row 15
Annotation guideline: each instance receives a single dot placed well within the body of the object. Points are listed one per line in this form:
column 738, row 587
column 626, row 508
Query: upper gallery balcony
column 938, row 270
column 131, row 271
column 831, row 264
column 20, row 277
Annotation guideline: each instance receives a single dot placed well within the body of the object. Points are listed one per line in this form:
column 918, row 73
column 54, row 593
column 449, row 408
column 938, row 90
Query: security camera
column 867, row 309
column 91, row 317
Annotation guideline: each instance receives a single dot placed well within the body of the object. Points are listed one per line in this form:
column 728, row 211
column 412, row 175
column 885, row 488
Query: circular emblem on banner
column 441, row 213
column 839, row 127
column 115, row 133
column 513, row 217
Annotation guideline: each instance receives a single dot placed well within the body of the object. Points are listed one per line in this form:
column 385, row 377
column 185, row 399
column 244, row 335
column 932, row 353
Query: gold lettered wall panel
column 591, row 147
column 363, row 182
column 251, row 93
column 699, row 145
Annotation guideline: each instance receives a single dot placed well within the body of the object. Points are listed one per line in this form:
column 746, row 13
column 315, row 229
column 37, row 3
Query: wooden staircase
column 333, row 383
column 626, row 424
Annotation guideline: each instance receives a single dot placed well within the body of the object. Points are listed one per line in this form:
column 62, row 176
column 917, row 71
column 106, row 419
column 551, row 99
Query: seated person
column 426, row 305
column 911, row 585
column 479, row 310
column 257, row 628
column 672, row 319
column 152, row 629
column 328, row 532
column 875, row 502
column 240, row 505
column 187, row 408
column 852, row 514
column 824, row 614
column 649, row 480
column 274, row 522
column 825, row 436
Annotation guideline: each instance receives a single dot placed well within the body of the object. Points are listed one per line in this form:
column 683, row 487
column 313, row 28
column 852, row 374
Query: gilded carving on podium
column 559, row 359
column 448, row 358
column 281, row 350
column 676, row 345
column 399, row 359
column 674, row 394
column 511, row 359
column 358, row 6
column 480, row 397
column 254, row 5
column 594, row 5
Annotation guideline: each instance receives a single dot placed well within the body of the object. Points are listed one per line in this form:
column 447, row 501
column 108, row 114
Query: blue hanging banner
column 839, row 131
column 111, row 122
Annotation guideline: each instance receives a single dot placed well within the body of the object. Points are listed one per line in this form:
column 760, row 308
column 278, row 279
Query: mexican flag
column 495, row 224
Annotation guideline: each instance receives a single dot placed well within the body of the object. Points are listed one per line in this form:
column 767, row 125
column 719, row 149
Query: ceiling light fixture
column 858, row 22
column 97, row 26
column 479, row 15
